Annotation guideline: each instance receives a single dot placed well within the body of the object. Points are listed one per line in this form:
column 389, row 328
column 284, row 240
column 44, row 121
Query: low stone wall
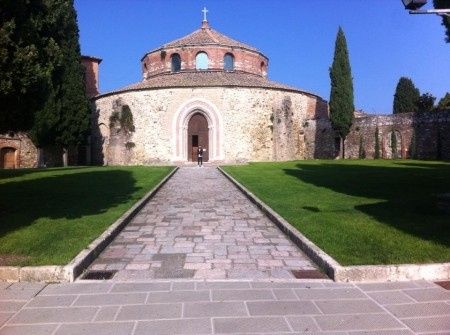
column 417, row 135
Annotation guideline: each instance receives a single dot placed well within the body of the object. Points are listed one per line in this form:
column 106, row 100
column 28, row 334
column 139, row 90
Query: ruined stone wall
column 417, row 135
column 255, row 124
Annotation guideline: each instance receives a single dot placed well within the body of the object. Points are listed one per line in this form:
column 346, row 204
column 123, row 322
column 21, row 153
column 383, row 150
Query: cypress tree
column 72, row 107
column 442, row 4
column 377, row 144
column 444, row 103
column 406, row 96
column 28, row 54
column 362, row 151
column 439, row 145
column 412, row 146
column 41, row 86
column 341, row 98
column 394, row 145
column 426, row 103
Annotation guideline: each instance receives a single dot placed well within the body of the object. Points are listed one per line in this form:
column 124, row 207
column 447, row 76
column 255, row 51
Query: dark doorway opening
column 7, row 158
column 198, row 135
column 195, row 140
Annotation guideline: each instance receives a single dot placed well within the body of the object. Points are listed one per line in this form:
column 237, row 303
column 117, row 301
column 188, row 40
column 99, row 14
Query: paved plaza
column 199, row 225
column 172, row 261
column 231, row 307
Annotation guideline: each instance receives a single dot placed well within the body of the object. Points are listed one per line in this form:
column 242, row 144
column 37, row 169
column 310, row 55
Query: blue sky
column 298, row 36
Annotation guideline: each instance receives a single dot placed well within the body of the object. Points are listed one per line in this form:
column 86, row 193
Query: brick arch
column 180, row 128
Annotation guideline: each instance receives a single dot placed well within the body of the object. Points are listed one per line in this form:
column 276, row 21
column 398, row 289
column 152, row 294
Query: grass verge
column 359, row 211
column 47, row 216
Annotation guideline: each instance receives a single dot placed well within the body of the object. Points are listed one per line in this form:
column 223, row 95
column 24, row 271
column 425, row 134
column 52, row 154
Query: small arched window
column 176, row 62
column 228, row 62
column 201, row 61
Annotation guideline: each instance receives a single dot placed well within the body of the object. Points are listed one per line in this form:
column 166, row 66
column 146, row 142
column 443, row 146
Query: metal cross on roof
column 204, row 13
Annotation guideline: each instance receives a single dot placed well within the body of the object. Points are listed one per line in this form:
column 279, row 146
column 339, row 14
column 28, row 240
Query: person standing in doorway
column 200, row 156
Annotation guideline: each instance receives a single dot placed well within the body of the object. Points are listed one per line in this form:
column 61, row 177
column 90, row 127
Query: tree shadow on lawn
column 70, row 196
column 407, row 193
column 14, row 173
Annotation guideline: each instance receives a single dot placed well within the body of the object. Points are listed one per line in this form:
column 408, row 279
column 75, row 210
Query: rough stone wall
column 319, row 139
column 283, row 132
column 249, row 129
column 418, row 135
column 26, row 152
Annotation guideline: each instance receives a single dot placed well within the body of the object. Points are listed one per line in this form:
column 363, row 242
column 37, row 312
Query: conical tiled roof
column 206, row 79
column 206, row 36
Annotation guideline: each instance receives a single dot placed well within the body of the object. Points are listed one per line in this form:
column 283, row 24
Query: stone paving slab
column 224, row 307
column 116, row 328
column 199, row 225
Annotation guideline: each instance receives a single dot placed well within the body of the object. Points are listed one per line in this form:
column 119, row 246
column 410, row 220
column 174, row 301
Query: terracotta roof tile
column 206, row 79
column 205, row 36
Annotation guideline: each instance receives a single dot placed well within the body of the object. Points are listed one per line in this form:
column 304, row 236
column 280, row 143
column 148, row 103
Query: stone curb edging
column 68, row 273
column 339, row 273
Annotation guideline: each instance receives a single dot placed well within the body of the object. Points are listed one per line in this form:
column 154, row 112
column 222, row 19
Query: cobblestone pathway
column 199, row 225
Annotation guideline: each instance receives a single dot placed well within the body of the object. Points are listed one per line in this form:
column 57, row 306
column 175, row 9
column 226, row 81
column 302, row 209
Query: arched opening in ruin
column 8, row 158
column 198, row 137
column 392, row 145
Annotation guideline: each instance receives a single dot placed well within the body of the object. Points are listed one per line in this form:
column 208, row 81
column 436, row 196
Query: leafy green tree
column 406, row 96
column 341, row 98
column 444, row 103
column 28, row 54
column 442, row 4
column 426, row 102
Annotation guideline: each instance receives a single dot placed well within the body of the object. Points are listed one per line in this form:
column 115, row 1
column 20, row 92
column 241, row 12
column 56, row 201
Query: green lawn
column 48, row 216
column 359, row 211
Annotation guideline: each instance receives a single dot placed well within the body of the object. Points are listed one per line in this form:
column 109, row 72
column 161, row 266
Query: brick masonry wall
column 244, row 60
column 418, row 135
column 91, row 75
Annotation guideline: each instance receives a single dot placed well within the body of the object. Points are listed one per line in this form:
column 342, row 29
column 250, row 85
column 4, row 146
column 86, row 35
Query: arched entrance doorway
column 198, row 135
column 180, row 125
column 7, row 158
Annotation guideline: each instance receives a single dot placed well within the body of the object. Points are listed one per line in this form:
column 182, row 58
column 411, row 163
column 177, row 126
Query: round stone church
column 207, row 89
